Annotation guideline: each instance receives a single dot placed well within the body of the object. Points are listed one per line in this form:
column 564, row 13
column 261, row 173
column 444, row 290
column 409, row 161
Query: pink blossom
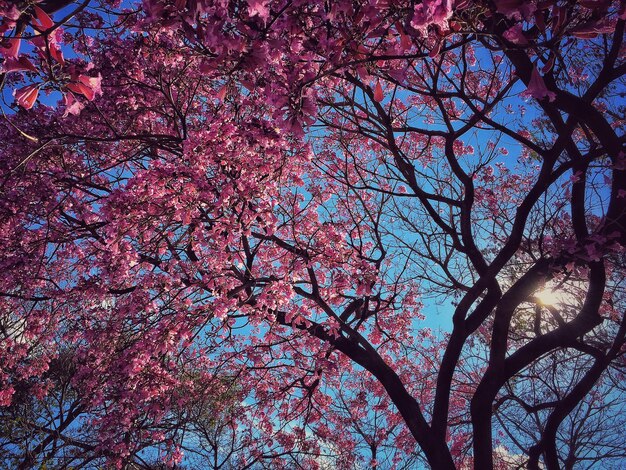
column 516, row 8
column 378, row 92
column 27, row 96
column 515, row 34
column 13, row 48
column 259, row 8
column 432, row 12
column 5, row 396
column 86, row 86
column 72, row 105
column 44, row 22
column 537, row 88
column 18, row 65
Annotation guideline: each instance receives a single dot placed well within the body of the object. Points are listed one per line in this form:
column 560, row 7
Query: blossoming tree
column 226, row 226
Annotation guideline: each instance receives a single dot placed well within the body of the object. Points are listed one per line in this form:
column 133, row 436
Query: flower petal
column 378, row 92
column 44, row 20
column 27, row 96
column 13, row 48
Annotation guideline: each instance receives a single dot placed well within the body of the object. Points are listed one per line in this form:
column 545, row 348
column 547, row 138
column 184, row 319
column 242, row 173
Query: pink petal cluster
column 537, row 89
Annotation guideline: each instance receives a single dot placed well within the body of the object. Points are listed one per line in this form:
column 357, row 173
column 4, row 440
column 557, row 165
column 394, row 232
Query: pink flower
column 12, row 49
column 72, row 106
column 592, row 253
column 432, row 12
column 591, row 30
column 5, row 396
column 18, row 65
column 515, row 8
column 43, row 22
column 515, row 34
column 86, row 86
column 27, row 96
column 259, row 8
column 378, row 92
column 537, row 89
column 57, row 53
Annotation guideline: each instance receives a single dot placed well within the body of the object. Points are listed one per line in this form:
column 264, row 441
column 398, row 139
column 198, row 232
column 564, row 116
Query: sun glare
column 572, row 294
column 549, row 297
